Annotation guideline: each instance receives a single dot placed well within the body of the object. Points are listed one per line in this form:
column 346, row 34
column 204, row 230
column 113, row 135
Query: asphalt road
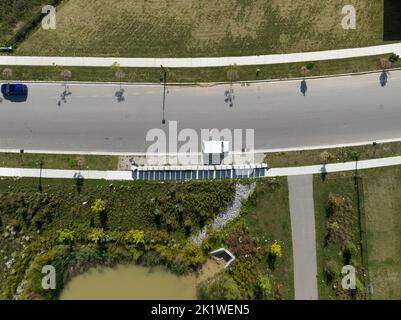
column 333, row 111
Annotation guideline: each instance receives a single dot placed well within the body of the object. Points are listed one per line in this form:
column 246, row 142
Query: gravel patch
column 242, row 192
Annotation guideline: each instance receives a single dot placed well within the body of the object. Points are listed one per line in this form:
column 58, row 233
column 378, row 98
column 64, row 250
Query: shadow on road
column 304, row 87
column 229, row 97
column 64, row 95
column 120, row 95
column 383, row 78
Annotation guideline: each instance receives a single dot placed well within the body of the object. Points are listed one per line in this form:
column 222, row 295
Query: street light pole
column 163, row 77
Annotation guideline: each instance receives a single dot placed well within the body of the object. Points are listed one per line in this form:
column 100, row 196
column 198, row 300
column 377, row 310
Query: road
column 303, row 237
column 333, row 111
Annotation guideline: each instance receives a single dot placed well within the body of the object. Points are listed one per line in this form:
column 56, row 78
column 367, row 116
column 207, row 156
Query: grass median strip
column 58, row 161
column 198, row 75
column 334, row 155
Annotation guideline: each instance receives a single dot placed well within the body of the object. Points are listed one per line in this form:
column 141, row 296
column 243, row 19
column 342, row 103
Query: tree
column 65, row 236
column 307, row 68
column 326, row 157
column 276, row 249
column 385, row 63
column 99, row 206
column 7, row 74
column 97, row 236
column 232, row 73
column 66, row 75
column 136, row 237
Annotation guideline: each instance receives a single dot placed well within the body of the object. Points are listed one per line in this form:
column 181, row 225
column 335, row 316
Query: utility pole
column 163, row 78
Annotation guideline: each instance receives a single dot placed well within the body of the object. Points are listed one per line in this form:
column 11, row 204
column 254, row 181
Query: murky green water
column 131, row 282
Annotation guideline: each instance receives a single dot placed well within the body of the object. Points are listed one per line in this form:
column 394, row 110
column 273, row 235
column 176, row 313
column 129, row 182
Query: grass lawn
column 197, row 75
column 182, row 28
column 58, row 161
column 330, row 255
column 383, row 214
column 311, row 157
column 267, row 216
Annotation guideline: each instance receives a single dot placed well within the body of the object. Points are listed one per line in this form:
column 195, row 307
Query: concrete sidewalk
column 275, row 172
column 202, row 62
column 303, row 237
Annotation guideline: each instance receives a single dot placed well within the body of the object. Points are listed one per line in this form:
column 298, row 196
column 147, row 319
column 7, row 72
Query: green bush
column 220, row 287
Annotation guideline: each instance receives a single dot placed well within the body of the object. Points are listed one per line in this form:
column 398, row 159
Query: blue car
column 14, row 89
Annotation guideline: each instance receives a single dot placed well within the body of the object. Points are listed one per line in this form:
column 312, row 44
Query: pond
column 134, row 282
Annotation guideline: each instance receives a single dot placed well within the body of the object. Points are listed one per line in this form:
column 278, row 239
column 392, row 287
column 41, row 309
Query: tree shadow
column 304, row 87
column 120, row 95
column 103, row 220
column 79, row 181
column 64, row 95
column 229, row 97
column 383, row 78
column 271, row 261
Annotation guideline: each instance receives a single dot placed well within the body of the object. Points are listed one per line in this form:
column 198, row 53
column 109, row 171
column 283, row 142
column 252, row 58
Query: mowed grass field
column 383, row 221
column 182, row 28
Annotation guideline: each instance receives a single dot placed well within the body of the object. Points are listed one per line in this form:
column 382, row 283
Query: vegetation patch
column 383, row 228
column 58, row 161
column 198, row 75
column 338, row 235
column 346, row 154
column 261, row 241
column 74, row 227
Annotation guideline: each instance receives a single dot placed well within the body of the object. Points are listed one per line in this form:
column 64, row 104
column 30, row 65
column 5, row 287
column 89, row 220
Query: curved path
column 333, row 111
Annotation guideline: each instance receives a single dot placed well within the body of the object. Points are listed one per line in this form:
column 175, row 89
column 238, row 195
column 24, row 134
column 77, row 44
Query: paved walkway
column 303, row 237
column 202, row 62
column 275, row 172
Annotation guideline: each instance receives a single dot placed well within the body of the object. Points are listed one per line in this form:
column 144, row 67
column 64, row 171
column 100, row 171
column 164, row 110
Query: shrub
column 220, row 287
column 241, row 243
column 264, row 288
column 394, row 58
column 331, row 271
column 98, row 206
column 97, row 236
column 350, row 251
column 65, row 236
column 276, row 249
column 136, row 237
